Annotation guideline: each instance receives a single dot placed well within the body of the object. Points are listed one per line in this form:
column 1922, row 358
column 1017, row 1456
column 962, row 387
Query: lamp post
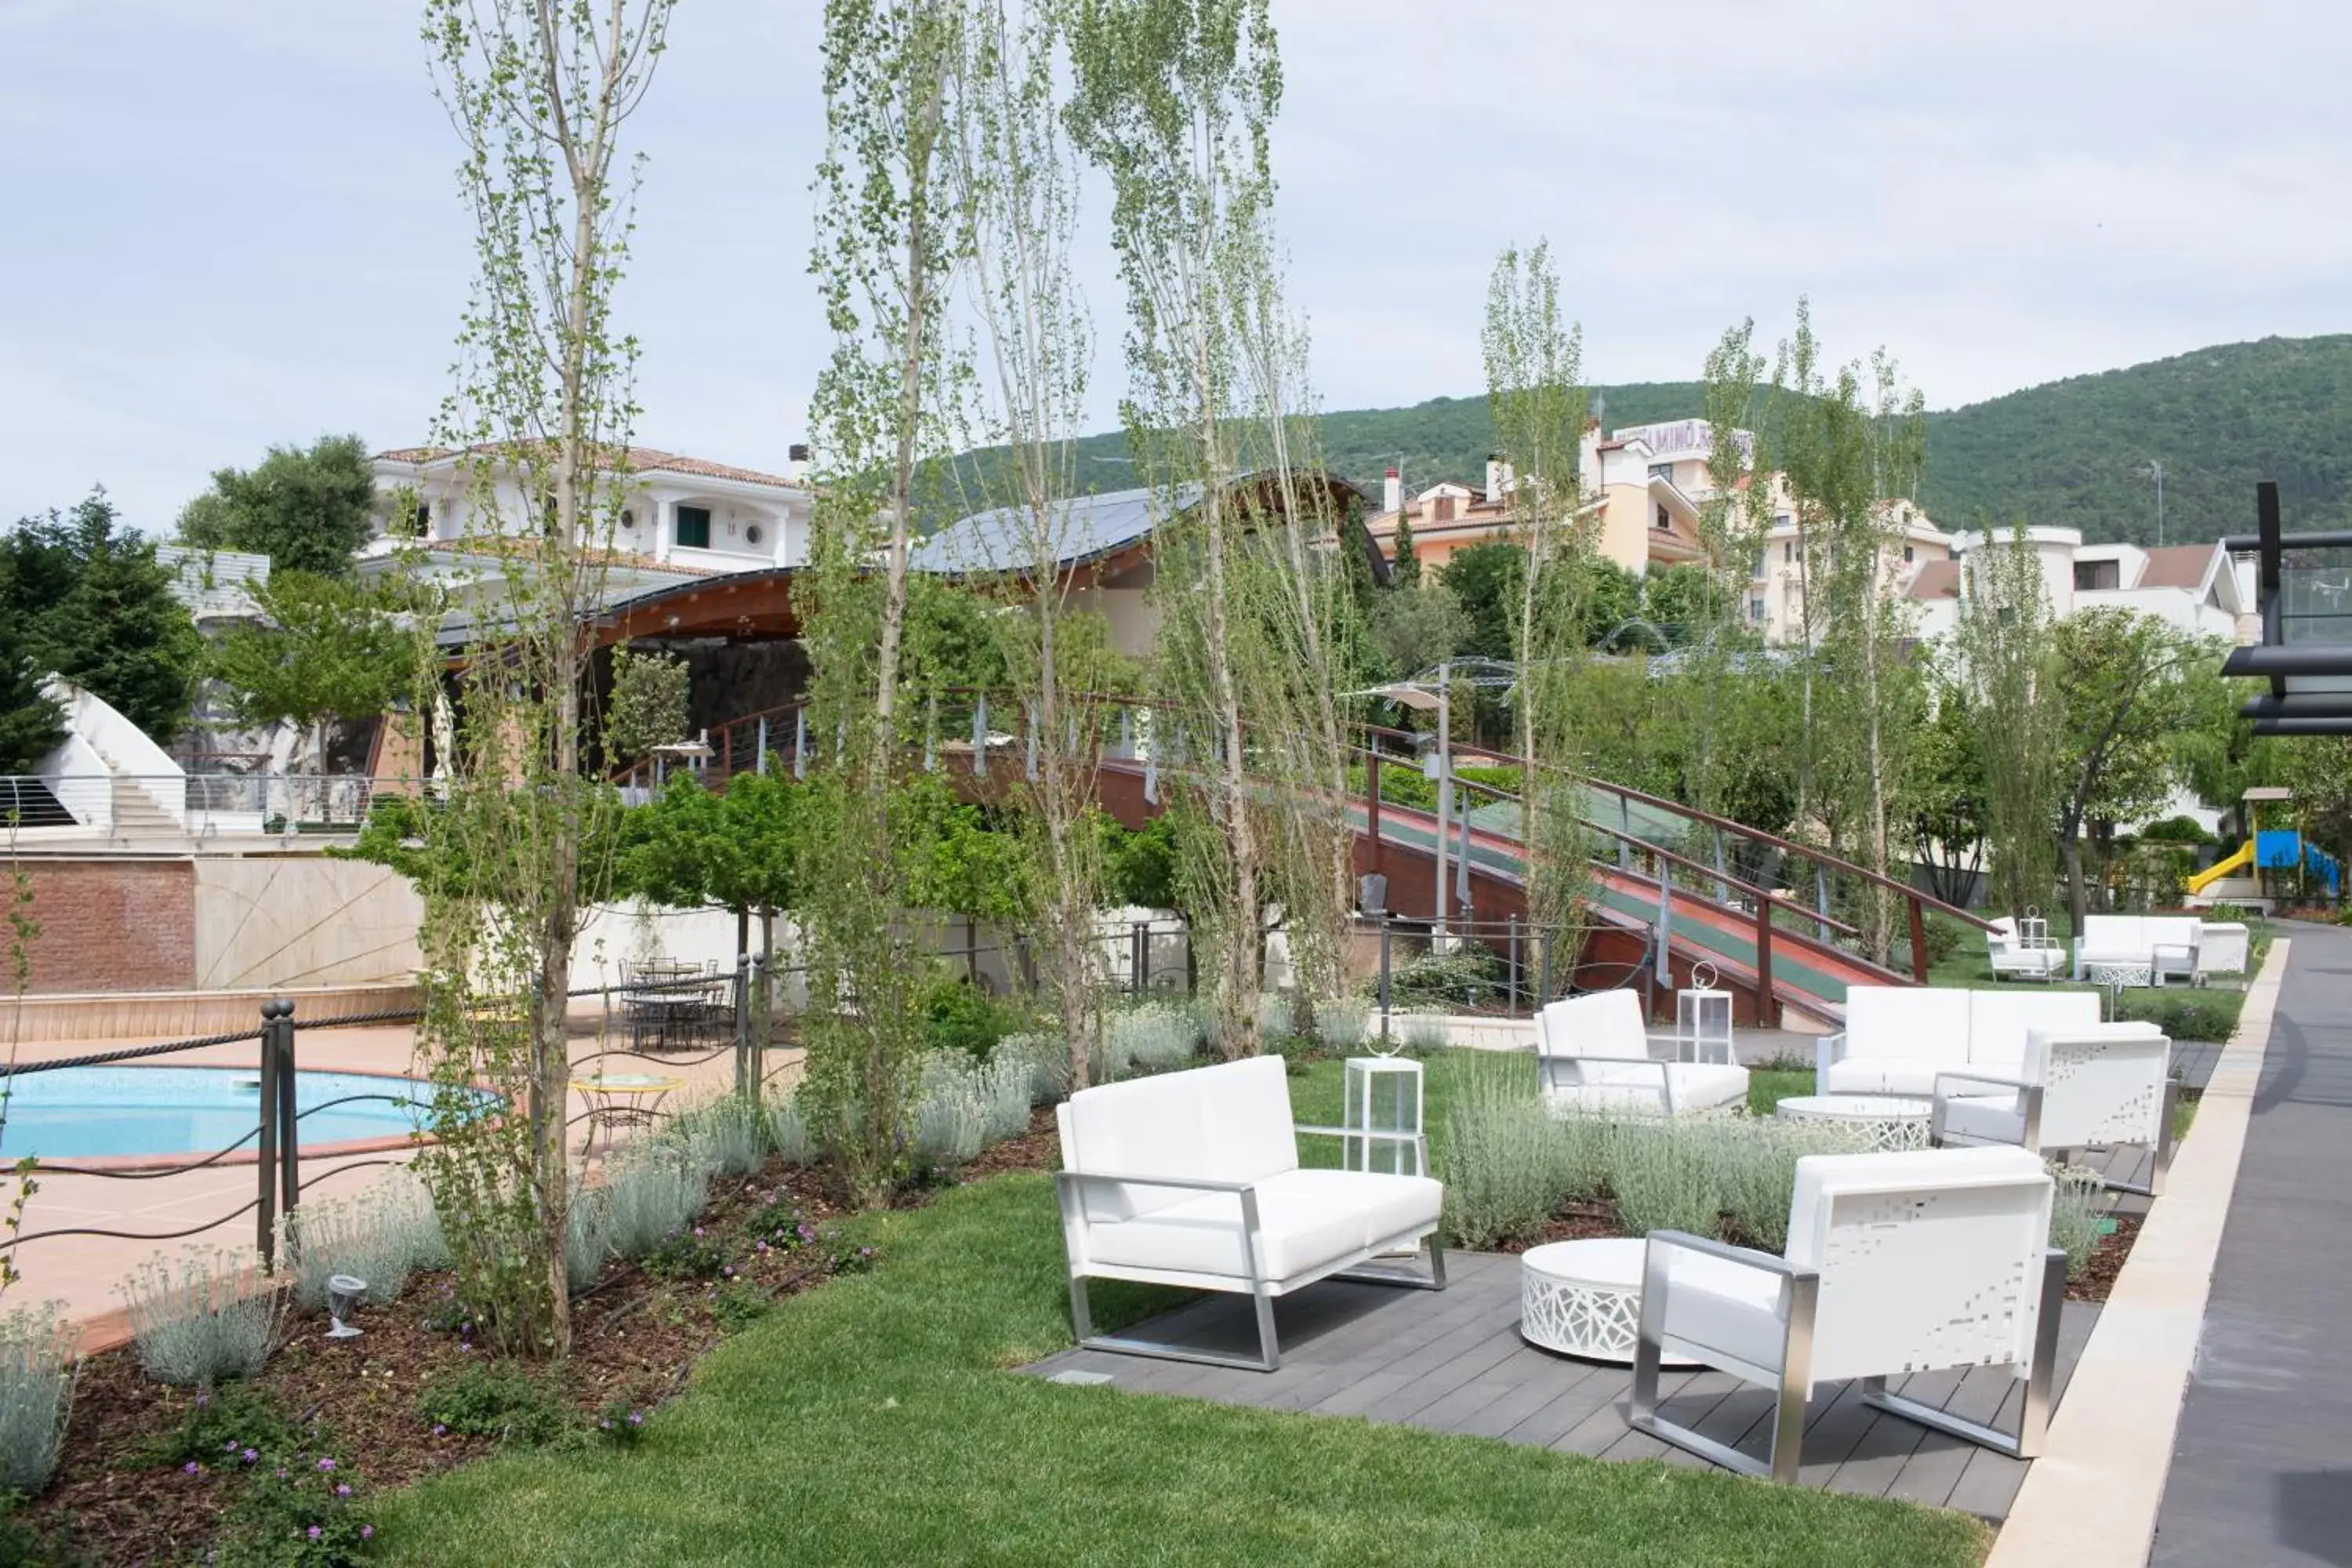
column 2154, row 471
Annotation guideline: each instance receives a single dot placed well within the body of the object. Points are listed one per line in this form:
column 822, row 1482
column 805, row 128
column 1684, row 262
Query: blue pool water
column 83, row 1113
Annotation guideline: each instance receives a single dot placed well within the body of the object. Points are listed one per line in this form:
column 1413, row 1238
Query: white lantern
column 1703, row 1019
column 1382, row 1116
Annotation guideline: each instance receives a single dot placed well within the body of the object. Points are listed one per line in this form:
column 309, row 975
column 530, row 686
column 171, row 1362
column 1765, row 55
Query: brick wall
column 113, row 925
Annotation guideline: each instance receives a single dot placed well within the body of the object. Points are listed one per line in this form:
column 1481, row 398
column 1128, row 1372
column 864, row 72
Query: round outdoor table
column 623, row 1099
column 1887, row 1121
column 1584, row 1297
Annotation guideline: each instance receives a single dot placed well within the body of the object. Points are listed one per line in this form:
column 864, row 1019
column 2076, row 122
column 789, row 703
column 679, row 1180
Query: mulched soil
column 635, row 1339
column 2107, row 1262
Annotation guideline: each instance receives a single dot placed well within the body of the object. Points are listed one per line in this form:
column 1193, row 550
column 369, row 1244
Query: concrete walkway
column 2262, row 1469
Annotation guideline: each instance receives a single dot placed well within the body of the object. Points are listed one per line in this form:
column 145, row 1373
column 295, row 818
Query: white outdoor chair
column 1594, row 1055
column 1192, row 1179
column 2018, row 957
column 1895, row 1264
column 2081, row 1089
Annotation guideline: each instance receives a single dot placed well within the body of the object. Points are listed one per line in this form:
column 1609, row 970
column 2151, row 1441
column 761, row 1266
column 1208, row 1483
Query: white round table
column 1884, row 1121
column 1584, row 1297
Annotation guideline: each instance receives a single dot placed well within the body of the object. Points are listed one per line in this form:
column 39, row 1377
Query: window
column 694, row 527
column 1763, row 563
column 1444, row 509
column 628, row 518
column 1756, row 609
column 2094, row 575
column 1663, row 471
column 1782, row 520
column 1788, row 553
column 1665, row 521
column 1907, row 555
column 754, row 535
column 423, row 519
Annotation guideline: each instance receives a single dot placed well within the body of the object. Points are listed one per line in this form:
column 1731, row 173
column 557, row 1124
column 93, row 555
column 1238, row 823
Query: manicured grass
column 2207, row 1013
column 873, row 1421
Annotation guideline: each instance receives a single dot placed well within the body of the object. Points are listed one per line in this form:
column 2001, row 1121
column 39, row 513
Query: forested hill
column 2071, row 453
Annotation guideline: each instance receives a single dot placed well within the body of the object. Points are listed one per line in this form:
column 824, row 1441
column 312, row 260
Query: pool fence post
column 289, row 1141
column 265, row 1157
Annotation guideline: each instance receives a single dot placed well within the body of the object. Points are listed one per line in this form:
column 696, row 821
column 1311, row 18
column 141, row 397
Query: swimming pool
column 77, row 1113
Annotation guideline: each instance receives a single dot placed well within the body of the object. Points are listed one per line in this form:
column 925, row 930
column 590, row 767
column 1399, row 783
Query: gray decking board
column 2262, row 1463
column 1451, row 1361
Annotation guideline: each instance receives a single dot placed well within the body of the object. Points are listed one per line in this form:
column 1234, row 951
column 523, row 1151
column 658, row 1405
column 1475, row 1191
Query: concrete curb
column 2090, row 1500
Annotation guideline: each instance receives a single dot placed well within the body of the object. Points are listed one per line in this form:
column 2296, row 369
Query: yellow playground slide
column 2228, row 866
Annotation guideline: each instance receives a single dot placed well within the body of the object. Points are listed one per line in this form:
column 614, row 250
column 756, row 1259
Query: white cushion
column 1987, row 1118
column 1999, row 1022
column 1922, row 1023
column 1884, row 1075
column 1306, row 1221
column 1598, row 1023
column 2027, row 959
column 1725, row 1309
column 1229, row 1122
column 1696, row 1086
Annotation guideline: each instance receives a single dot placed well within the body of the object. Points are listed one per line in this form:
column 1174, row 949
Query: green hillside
column 2068, row 453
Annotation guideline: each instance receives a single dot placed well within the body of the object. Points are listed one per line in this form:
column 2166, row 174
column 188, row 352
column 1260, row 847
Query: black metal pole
column 1543, row 966
column 265, row 1159
column 1511, row 1008
column 742, row 1021
column 1385, row 975
column 289, row 1133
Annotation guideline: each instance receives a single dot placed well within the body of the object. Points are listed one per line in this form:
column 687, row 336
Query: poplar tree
column 889, row 239
column 539, row 92
column 2006, row 662
column 1172, row 100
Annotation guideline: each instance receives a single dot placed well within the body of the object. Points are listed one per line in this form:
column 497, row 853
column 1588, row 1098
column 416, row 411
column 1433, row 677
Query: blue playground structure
column 2284, row 850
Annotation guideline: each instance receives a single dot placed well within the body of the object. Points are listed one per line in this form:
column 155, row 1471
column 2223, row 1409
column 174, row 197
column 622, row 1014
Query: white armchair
column 1899, row 1038
column 1193, row 1179
column 1895, row 1263
column 2081, row 1088
column 1594, row 1054
column 2016, row 956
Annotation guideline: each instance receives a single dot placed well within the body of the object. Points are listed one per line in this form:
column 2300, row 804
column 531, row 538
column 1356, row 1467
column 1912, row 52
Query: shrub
column 301, row 1513
column 1425, row 1034
column 1046, row 1060
column 2176, row 830
column 587, row 1237
column 649, row 1193
column 380, row 1236
column 500, row 1400
column 688, row 1253
column 788, row 1132
column 620, row 1424
column 1339, row 1024
column 208, row 1321
column 722, row 1137
column 737, row 1305
column 2076, row 1211
column 23, row 1544
column 1667, row 1175
column 36, row 1378
column 948, row 1119
column 2186, row 1015
column 228, row 1421
column 2227, row 913
column 1277, row 1015
column 1152, row 1037
column 1002, row 1090
column 1758, row 1171
column 1466, row 978
column 958, row 1016
column 1504, row 1170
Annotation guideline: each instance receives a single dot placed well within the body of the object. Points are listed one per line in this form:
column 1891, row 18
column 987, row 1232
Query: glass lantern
column 1703, row 1020
column 1382, row 1116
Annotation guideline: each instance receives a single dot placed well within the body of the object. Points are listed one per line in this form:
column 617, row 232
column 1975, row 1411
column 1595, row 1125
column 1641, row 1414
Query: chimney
column 1392, row 491
column 1499, row 474
column 796, row 462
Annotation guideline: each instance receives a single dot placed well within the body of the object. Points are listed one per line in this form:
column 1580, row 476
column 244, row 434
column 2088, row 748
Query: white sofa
column 2094, row 1087
column 2167, row 944
column 2018, row 957
column 1193, row 1179
column 2223, row 948
column 1899, row 1038
column 1593, row 1052
column 1918, row 1261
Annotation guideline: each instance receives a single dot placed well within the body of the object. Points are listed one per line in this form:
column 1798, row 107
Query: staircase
column 138, row 820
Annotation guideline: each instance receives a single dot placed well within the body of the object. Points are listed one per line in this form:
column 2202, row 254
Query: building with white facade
column 683, row 517
column 2198, row 589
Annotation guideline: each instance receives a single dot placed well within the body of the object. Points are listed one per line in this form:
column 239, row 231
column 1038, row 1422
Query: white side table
column 1584, row 1297
column 1885, row 1121
column 1381, row 1115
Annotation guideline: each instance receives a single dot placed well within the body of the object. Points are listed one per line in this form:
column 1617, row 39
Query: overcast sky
column 229, row 223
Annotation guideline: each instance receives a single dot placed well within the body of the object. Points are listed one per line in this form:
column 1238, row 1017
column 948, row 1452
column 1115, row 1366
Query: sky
column 234, row 223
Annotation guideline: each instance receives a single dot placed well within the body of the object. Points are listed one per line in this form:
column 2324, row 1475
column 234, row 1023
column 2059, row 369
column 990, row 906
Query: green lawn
column 873, row 1421
column 2207, row 1013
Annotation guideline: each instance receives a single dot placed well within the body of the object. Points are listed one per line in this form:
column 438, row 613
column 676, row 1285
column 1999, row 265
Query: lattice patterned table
column 1584, row 1297
column 1884, row 1121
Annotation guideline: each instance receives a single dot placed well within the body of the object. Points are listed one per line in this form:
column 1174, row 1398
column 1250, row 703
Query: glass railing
column 2315, row 596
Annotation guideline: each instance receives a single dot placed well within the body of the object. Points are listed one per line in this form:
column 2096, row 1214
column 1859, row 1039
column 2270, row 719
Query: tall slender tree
column 890, row 236
column 540, row 92
column 2005, row 660
column 1172, row 100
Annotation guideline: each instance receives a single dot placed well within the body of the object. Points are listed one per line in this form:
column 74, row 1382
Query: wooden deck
column 1453, row 1361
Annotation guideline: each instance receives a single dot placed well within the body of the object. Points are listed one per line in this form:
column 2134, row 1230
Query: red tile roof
column 2176, row 566
column 642, row 460
column 1936, row 580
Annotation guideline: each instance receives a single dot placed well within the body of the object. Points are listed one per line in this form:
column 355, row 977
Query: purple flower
column 761, row 1246
column 727, row 1270
column 326, row 1464
column 697, row 1230
column 316, row 1533
column 367, row 1533
column 250, row 1455
column 342, row 1488
column 230, row 1447
column 637, row 1419
column 189, row 1468
column 864, row 1252
column 439, row 1430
